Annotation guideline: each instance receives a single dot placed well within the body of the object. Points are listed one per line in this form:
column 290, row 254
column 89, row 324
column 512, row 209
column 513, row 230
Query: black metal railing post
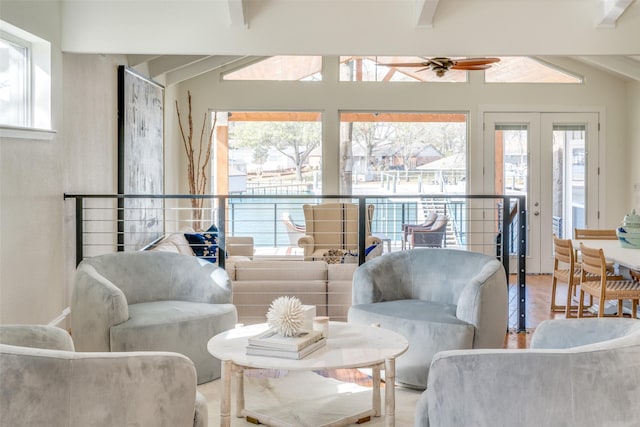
column 363, row 212
column 79, row 230
column 222, row 234
column 505, row 233
column 522, row 263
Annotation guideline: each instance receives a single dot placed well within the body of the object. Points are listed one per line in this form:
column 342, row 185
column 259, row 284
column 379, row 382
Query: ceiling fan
column 440, row 65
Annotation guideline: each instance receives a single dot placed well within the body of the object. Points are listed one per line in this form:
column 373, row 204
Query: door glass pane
column 569, row 197
column 511, row 159
column 512, row 166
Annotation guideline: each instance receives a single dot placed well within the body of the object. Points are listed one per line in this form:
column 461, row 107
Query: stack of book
column 272, row 344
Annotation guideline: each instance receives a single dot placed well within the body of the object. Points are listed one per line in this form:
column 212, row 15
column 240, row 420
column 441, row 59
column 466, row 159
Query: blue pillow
column 204, row 245
column 369, row 249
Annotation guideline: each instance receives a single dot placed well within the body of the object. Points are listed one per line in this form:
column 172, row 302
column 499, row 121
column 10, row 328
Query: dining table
column 614, row 252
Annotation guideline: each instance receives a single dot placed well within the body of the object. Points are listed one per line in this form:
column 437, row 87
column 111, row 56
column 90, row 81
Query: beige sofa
column 256, row 283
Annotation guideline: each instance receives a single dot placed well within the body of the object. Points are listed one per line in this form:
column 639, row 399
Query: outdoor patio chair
column 294, row 231
column 431, row 237
column 429, row 219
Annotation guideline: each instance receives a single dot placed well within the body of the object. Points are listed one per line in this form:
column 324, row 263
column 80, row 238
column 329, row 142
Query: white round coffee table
column 348, row 346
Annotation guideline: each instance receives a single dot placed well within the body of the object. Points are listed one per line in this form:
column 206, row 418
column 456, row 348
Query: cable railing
column 110, row 223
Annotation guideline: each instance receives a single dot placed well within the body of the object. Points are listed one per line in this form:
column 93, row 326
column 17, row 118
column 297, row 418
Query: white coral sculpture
column 286, row 315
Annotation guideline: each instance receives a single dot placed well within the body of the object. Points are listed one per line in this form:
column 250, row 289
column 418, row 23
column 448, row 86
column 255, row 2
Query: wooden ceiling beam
column 237, row 16
column 425, row 12
column 611, row 11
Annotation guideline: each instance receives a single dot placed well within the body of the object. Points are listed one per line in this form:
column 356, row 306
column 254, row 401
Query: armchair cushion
column 429, row 326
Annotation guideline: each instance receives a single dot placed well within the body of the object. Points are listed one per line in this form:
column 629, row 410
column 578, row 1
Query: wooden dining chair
column 594, row 234
column 605, row 287
column 565, row 270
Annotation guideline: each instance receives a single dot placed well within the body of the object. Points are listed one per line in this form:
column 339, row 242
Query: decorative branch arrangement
column 197, row 172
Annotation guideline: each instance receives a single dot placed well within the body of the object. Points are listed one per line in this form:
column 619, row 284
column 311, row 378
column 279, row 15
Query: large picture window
column 272, row 152
column 405, row 153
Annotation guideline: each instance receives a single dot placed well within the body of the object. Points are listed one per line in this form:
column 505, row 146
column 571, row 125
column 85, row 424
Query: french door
column 552, row 158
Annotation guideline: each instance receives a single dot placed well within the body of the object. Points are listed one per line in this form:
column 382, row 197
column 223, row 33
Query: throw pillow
column 204, row 245
column 373, row 251
column 333, row 256
column 369, row 249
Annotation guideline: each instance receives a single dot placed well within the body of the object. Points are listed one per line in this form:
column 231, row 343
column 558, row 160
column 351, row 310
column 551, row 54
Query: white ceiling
column 183, row 38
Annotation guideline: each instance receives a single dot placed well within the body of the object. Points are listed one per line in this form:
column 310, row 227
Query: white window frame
column 38, row 116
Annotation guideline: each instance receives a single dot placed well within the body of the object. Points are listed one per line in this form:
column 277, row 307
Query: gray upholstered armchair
column 45, row 383
column 577, row 372
column 152, row 301
column 439, row 299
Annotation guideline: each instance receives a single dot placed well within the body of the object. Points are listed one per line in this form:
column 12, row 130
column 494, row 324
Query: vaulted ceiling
column 184, row 38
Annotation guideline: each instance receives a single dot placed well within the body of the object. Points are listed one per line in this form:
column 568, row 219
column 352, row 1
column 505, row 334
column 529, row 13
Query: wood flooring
column 537, row 302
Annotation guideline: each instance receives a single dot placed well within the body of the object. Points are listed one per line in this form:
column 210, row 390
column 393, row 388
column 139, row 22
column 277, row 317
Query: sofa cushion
column 253, row 298
column 281, row 270
column 339, row 281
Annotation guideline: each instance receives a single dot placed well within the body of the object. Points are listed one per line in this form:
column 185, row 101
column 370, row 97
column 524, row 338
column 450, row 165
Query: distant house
column 426, row 155
column 237, row 181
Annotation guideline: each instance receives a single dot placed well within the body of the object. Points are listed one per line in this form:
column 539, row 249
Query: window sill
column 15, row 132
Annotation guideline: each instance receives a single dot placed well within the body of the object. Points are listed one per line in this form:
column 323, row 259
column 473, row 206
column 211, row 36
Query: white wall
column 37, row 250
column 90, row 95
column 32, row 276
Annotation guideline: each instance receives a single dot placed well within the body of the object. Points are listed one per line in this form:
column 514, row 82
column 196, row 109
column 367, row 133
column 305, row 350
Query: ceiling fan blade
column 441, row 62
column 471, row 67
column 406, row 64
column 475, row 61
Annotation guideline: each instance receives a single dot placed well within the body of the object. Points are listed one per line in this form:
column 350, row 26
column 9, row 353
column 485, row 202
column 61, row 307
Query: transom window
column 372, row 69
column 522, row 69
column 282, row 68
